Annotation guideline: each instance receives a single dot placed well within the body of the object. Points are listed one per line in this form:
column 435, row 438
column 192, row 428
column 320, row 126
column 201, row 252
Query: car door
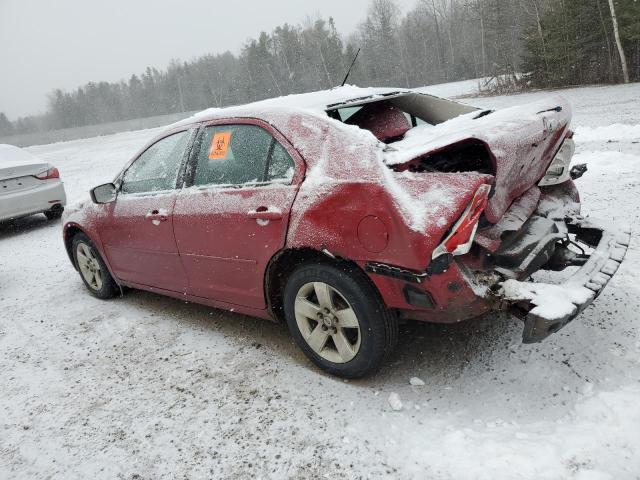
column 234, row 218
column 137, row 233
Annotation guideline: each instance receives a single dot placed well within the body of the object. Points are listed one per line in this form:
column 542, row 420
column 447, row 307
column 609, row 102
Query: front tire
column 93, row 271
column 338, row 319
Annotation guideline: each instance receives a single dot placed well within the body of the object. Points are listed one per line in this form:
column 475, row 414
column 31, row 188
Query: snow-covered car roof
column 288, row 113
column 317, row 102
column 305, row 120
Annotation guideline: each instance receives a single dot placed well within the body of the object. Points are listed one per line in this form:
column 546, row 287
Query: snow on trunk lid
column 522, row 141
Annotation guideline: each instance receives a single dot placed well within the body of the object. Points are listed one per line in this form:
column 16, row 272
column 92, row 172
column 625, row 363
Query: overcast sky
column 47, row 44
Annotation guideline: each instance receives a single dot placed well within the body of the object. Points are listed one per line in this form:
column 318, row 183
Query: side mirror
column 103, row 193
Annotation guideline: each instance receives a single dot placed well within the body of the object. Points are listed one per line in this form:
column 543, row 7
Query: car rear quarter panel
column 354, row 207
column 331, row 223
column 365, row 221
column 329, row 219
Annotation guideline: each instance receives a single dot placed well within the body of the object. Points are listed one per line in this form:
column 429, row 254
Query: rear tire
column 54, row 213
column 338, row 319
column 93, row 271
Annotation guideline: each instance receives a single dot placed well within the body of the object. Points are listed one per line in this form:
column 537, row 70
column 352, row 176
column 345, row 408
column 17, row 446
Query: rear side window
column 240, row 154
column 281, row 165
column 157, row 168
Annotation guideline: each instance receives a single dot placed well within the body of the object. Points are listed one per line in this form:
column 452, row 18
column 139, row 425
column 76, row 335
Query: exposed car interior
column 386, row 121
column 381, row 116
column 469, row 156
column 391, row 118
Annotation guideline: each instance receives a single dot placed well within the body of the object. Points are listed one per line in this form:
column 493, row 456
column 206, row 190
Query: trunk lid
column 17, row 171
column 521, row 142
column 16, row 162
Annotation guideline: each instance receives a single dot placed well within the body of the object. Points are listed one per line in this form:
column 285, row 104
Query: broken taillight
column 558, row 171
column 459, row 241
column 48, row 174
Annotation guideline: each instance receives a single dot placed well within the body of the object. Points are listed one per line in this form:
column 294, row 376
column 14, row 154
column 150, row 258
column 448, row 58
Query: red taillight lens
column 51, row 173
column 458, row 242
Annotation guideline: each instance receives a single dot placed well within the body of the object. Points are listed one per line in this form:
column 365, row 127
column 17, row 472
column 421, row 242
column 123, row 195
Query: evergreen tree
column 6, row 127
column 554, row 42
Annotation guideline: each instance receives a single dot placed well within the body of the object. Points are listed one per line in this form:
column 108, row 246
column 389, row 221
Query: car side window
column 232, row 155
column 240, row 154
column 281, row 165
column 157, row 168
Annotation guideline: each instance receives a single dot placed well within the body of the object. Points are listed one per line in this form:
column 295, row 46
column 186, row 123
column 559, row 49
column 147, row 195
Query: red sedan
column 343, row 212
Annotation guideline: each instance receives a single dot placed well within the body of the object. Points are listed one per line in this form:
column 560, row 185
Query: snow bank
column 454, row 89
column 608, row 133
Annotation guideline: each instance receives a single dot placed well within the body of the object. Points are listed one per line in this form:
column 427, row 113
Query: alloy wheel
column 89, row 266
column 327, row 322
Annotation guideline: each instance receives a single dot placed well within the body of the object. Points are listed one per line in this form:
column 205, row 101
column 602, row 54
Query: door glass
column 232, row 155
column 281, row 165
column 157, row 168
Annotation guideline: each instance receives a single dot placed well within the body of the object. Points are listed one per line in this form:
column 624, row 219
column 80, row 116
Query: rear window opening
column 389, row 119
column 471, row 156
column 386, row 121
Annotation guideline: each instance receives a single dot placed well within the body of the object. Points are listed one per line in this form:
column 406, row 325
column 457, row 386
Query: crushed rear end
column 521, row 245
column 547, row 266
column 547, row 307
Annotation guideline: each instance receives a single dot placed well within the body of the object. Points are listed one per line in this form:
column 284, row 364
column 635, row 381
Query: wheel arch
column 73, row 229
column 70, row 231
column 282, row 265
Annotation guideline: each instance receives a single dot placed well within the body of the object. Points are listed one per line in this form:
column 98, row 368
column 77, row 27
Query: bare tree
column 616, row 33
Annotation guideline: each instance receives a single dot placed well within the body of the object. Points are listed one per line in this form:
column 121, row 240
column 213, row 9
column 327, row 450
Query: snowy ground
column 148, row 387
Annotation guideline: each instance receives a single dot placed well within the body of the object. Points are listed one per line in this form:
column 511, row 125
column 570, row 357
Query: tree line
column 524, row 43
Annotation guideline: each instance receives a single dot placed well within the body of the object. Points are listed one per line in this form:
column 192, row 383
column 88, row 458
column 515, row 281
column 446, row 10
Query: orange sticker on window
column 220, row 146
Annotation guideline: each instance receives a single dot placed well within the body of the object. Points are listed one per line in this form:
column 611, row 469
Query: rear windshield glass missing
column 388, row 122
column 391, row 117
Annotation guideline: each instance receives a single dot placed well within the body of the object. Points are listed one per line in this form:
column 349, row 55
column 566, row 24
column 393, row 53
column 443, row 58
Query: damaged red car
column 344, row 212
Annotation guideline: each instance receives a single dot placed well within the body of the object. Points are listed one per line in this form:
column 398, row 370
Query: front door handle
column 157, row 215
column 265, row 213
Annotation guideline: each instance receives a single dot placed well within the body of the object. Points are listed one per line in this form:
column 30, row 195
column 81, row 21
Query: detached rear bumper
column 545, row 307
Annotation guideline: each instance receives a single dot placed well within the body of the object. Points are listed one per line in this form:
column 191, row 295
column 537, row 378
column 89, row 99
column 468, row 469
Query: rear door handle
column 265, row 213
column 157, row 215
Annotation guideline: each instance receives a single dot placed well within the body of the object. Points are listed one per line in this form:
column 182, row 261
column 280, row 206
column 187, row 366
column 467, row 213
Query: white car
column 28, row 185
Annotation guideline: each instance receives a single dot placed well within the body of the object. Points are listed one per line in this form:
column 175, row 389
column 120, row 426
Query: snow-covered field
column 146, row 387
